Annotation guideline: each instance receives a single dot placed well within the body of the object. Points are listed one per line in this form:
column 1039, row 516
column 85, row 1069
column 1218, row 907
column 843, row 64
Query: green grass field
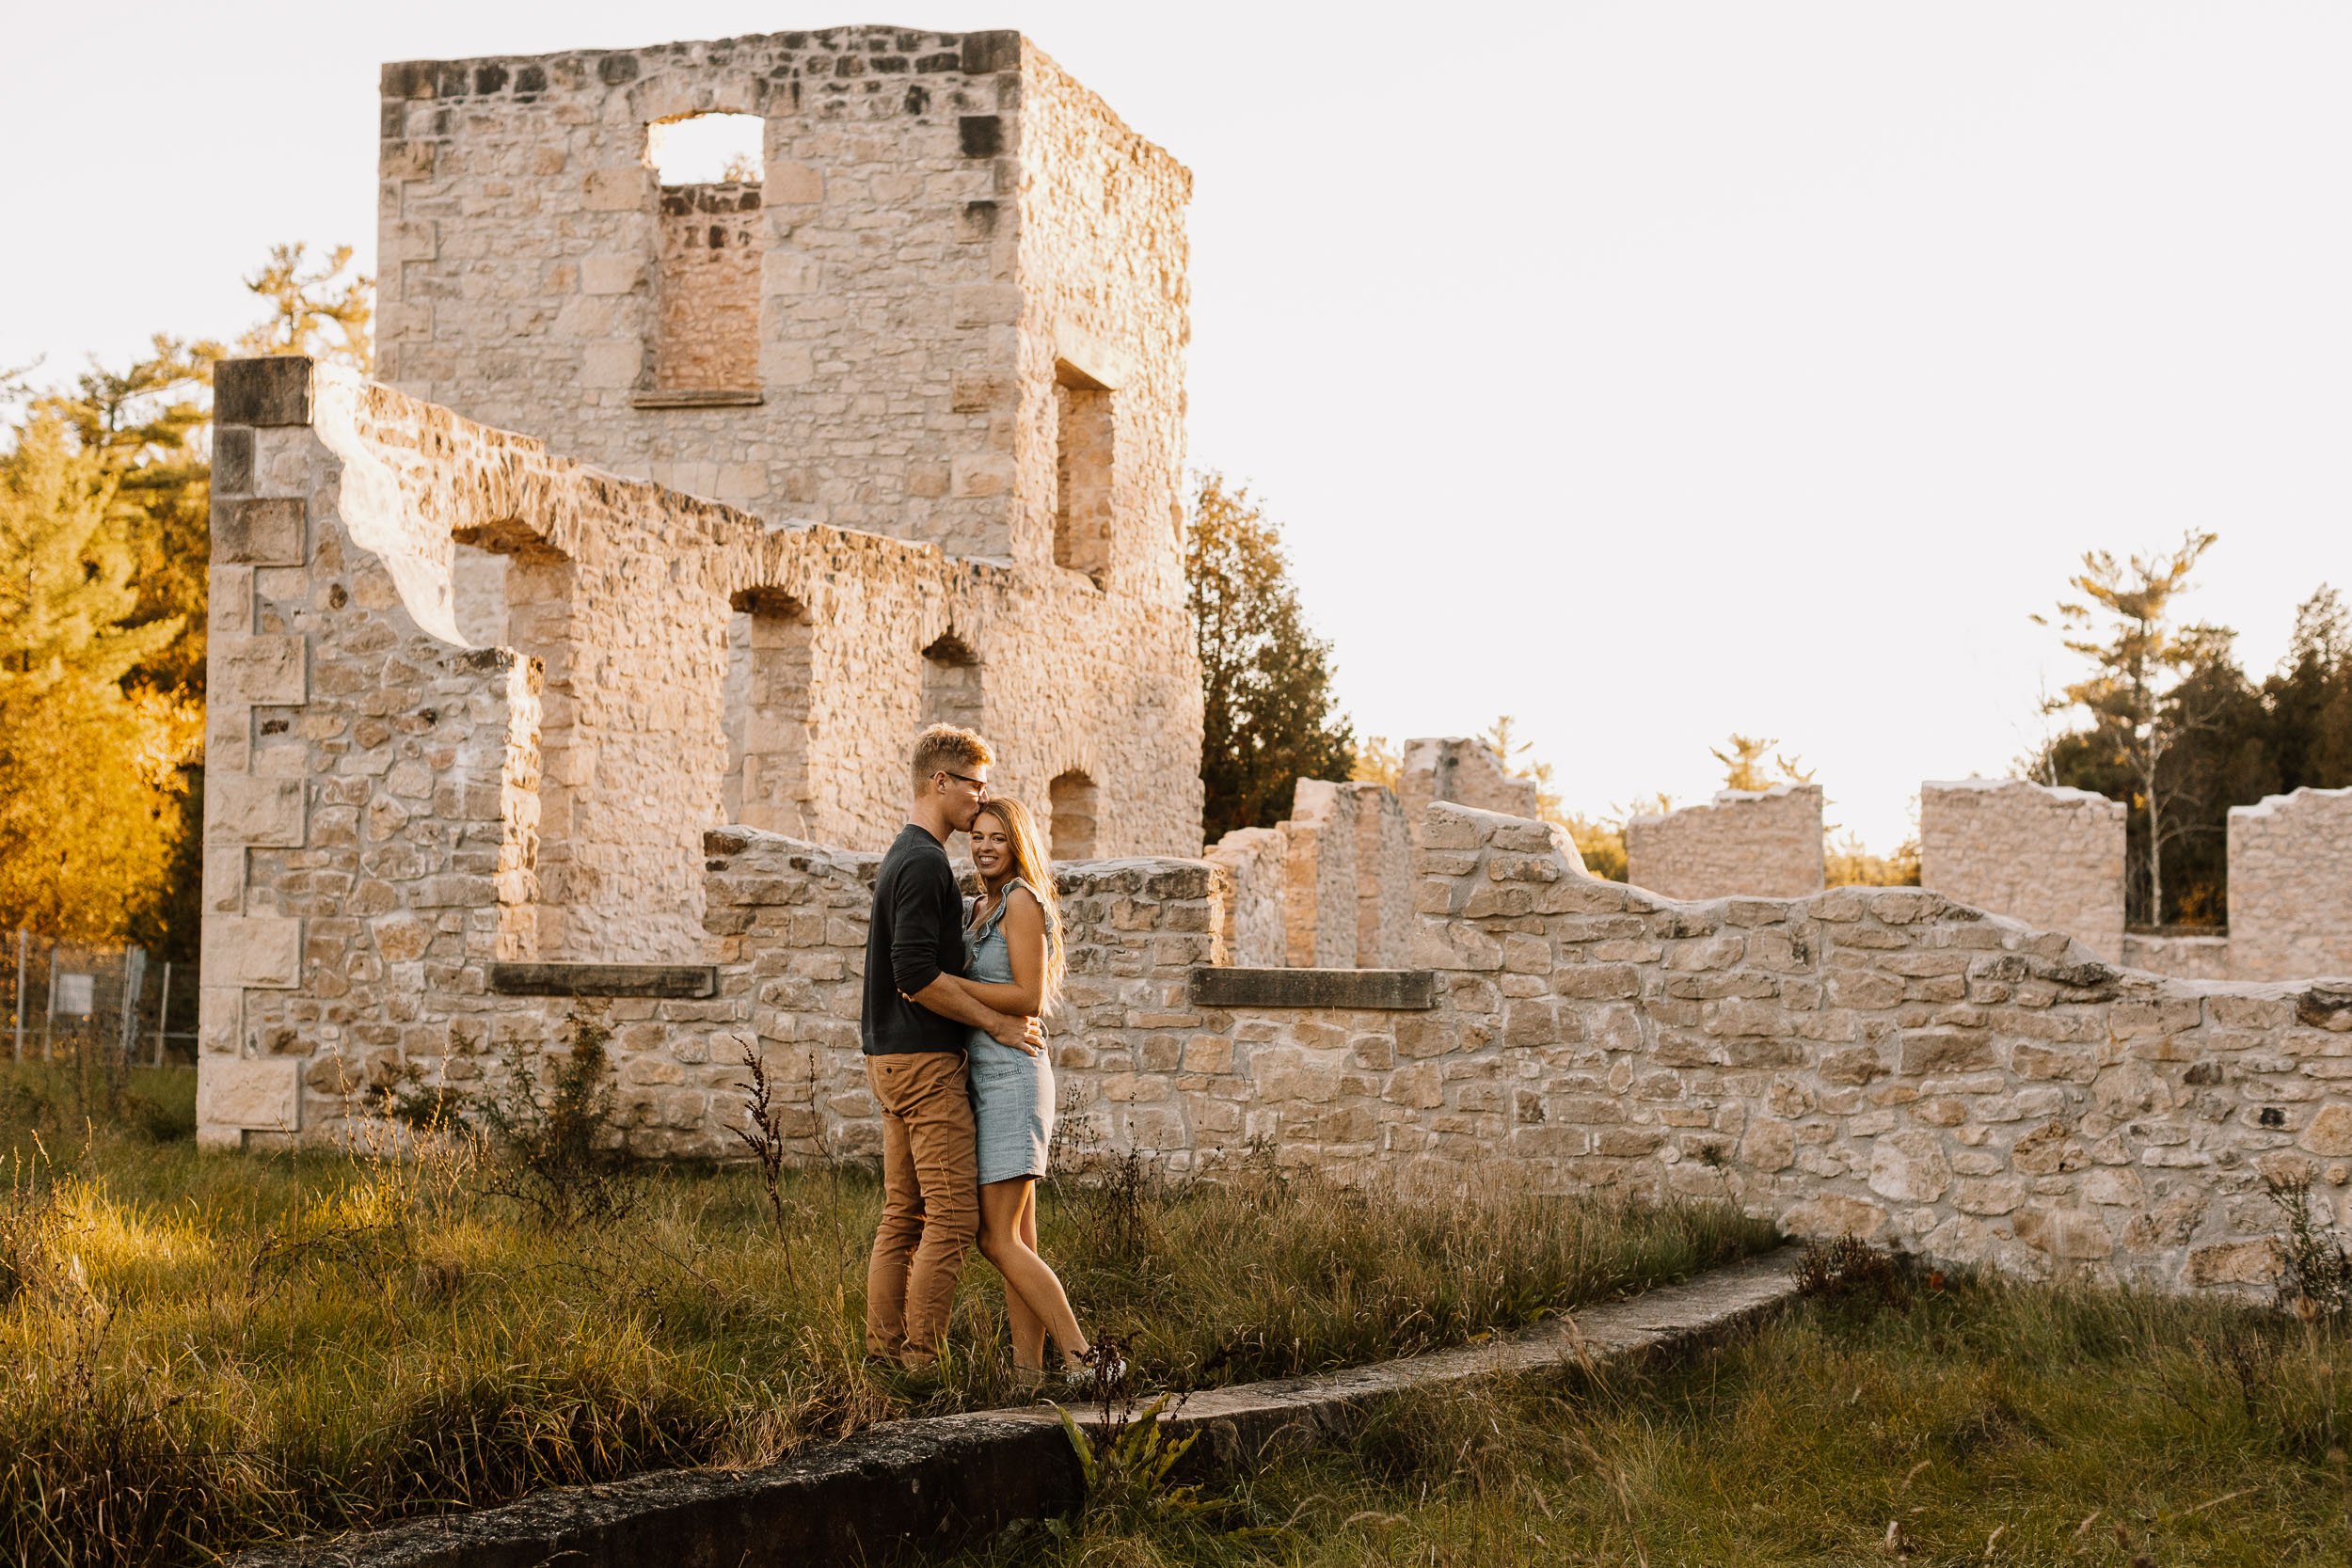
column 1981, row 1422
column 208, row 1350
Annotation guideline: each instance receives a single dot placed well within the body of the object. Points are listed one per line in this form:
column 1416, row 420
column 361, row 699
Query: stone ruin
column 612, row 702
column 1766, row 842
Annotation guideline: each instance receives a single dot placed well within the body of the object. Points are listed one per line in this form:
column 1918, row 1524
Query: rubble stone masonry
column 2290, row 886
column 2052, row 858
column 1757, row 842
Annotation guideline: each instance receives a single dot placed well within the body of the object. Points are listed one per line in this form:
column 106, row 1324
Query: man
column 914, row 1031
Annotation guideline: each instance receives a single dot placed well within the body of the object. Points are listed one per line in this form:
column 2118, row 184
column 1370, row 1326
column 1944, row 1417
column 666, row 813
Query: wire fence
column 62, row 1001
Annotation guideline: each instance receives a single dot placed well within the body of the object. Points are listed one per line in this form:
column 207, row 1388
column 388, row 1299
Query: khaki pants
column 931, row 1200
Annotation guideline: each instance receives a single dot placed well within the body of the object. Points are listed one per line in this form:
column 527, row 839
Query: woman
column 1014, row 944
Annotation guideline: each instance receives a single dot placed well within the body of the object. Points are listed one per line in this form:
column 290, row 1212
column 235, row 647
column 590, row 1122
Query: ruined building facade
column 580, row 658
column 950, row 310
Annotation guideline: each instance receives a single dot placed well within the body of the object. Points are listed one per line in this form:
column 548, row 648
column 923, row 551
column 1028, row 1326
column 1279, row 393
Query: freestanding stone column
column 2052, row 858
column 2290, row 886
column 1764, row 844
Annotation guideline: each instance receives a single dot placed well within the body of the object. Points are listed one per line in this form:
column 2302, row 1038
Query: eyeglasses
column 979, row 786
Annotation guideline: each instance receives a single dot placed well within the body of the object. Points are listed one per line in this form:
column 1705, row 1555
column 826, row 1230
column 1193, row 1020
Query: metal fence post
column 49, row 1006
column 20, row 993
column 162, row 1012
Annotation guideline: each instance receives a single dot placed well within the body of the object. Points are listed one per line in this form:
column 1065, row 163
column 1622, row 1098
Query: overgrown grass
column 202, row 1352
column 1917, row 1420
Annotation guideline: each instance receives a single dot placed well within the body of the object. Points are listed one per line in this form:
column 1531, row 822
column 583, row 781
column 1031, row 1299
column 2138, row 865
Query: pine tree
column 88, row 772
column 1269, row 716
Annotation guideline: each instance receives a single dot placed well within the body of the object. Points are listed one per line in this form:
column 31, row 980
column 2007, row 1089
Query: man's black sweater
column 915, row 935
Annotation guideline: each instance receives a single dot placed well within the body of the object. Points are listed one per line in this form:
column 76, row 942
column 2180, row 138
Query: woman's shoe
column 1103, row 1366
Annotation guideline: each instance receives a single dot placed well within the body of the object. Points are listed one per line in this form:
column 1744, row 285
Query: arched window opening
column 1070, row 803
column 767, row 707
column 706, row 338
column 510, row 588
column 1085, row 442
column 951, row 683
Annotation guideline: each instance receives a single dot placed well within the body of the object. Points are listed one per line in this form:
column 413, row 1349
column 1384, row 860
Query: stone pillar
column 1321, row 912
column 2052, row 858
column 1384, row 877
column 1764, row 844
column 1464, row 770
column 1252, row 924
column 2290, row 886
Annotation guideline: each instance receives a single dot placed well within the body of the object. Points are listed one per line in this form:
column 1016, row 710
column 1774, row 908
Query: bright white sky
column 1646, row 370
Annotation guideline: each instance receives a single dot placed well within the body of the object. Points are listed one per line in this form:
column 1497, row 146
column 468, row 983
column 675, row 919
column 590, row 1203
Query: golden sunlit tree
column 87, row 770
column 318, row 311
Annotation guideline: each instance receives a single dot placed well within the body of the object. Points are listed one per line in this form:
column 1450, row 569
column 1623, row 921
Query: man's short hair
column 944, row 746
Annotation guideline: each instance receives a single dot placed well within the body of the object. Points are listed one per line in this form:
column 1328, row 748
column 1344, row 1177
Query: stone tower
column 952, row 310
column 943, row 303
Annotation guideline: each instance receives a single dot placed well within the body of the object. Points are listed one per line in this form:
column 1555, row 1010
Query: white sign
column 74, row 994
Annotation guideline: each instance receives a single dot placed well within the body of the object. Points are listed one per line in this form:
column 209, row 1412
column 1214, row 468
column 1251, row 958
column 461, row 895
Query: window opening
column 711, row 235
column 1084, row 458
column 951, row 683
column 769, row 639
column 1070, row 801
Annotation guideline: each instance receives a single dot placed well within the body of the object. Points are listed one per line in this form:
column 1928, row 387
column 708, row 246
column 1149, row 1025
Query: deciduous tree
column 1268, row 715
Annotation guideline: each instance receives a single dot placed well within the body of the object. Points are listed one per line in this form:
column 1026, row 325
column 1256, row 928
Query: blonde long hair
column 1037, row 873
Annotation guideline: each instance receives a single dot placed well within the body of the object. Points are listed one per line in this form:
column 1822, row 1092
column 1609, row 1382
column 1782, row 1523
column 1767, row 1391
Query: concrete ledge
column 1387, row 990
column 674, row 981
column 859, row 1501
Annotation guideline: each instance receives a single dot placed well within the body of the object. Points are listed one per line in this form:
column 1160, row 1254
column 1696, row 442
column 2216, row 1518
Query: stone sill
column 1367, row 990
column 751, row 398
column 686, row 982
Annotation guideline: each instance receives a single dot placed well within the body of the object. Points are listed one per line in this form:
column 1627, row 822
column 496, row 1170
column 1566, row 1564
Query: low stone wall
column 2203, row 958
column 2052, row 858
column 2290, row 886
column 1762, row 842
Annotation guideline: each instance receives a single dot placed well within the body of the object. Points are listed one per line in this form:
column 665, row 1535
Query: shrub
column 555, row 1133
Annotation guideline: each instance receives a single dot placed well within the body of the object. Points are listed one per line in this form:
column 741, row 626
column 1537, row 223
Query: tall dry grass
column 199, row 1352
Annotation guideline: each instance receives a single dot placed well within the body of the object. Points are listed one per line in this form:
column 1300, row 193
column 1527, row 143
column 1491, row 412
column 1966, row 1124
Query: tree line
column 105, row 550
column 2166, row 719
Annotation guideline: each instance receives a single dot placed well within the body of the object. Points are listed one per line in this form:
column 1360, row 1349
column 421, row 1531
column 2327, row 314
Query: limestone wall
column 2052, row 858
column 1320, row 892
column 1762, row 842
column 2290, row 886
column 394, row 807
column 2184, row 957
column 947, row 227
column 1253, row 921
column 1461, row 770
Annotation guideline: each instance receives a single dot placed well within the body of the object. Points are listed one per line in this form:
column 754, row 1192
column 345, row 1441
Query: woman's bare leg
column 1000, row 1233
column 1011, row 1245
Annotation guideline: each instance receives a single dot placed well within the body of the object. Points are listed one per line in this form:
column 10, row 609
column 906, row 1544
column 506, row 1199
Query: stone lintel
column 272, row 391
column 740, row 397
column 1388, row 990
column 675, row 981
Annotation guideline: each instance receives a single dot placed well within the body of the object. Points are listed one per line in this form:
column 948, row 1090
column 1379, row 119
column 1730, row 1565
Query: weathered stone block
column 259, row 532
column 240, row 809
column 252, row 950
column 272, row 671
column 275, row 391
column 246, row 1094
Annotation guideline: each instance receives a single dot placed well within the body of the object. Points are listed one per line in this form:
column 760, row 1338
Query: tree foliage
column 318, row 311
column 2170, row 723
column 88, row 770
column 1743, row 757
column 1269, row 716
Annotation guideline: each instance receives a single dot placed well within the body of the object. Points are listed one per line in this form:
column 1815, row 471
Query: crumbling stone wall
column 1882, row 1062
column 708, row 289
column 1462, row 769
column 1329, row 887
column 1253, row 922
column 394, row 808
column 2052, row 858
column 1762, row 842
column 1320, row 902
column 2290, row 886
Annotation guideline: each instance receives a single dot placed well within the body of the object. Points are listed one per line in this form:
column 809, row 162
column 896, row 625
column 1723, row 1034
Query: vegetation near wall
column 105, row 555
column 2167, row 720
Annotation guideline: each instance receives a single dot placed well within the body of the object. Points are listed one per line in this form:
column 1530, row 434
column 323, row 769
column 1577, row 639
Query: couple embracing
column 956, row 1057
